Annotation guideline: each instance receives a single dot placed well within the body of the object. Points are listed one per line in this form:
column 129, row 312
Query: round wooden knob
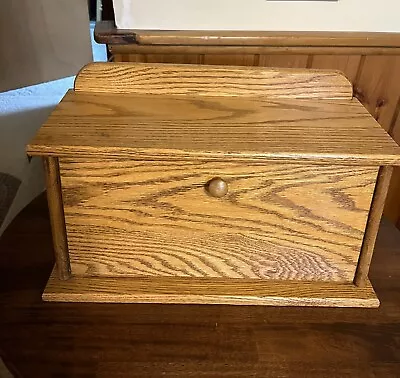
column 217, row 187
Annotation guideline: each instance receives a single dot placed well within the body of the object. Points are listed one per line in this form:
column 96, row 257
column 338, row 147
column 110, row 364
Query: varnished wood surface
column 208, row 291
column 369, row 60
column 106, row 32
column 211, row 80
column 57, row 220
column 278, row 221
column 163, row 127
column 232, row 54
column 140, row 340
column 374, row 220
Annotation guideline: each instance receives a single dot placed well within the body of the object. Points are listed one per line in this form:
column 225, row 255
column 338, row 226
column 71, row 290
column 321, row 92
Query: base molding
column 176, row 290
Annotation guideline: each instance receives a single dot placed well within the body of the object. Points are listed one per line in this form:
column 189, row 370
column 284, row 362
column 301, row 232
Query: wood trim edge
column 57, row 220
column 173, row 290
column 373, row 222
column 107, row 32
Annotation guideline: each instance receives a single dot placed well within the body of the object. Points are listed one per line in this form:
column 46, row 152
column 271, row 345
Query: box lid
column 144, row 111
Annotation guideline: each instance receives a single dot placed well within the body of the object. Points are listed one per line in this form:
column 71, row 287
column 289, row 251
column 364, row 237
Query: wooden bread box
column 213, row 184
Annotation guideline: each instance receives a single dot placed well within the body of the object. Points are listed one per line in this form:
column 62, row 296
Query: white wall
column 343, row 15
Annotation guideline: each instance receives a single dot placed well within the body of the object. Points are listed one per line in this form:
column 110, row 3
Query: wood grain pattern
column 206, row 291
column 374, row 220
column 76, row 340
column 162, row 127
column 57, row 220
column 202, row 80
column 287, row 222
column 369, row 60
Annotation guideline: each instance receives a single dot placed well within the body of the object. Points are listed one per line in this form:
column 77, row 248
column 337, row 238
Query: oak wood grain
column 369, row 60
column 374, row 220
column 176, row 127
column 203, row 80
column 78, row 340
column 57, row 220
column 287, row 222
column 206, row 291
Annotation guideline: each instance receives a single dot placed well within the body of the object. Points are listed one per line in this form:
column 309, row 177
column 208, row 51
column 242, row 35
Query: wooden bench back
column 202, row 80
